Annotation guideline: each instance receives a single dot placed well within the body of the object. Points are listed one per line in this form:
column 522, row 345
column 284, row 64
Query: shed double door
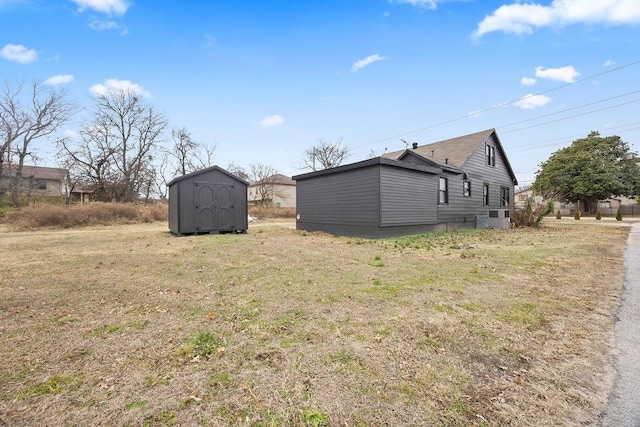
column 214, row 207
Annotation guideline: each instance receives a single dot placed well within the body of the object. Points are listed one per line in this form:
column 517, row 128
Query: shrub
column 531, row 215
column 577, row 214
column 94, row 213
column 558, row 214
column 262, row 212
column 598, row 215
column 619, row 214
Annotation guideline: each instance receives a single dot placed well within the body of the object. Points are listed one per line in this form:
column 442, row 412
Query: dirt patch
column 127, row 325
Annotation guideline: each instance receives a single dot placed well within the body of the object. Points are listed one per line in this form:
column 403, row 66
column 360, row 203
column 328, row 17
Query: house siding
column 357, row 203
column 399, row 195
column 285, row 196
column 464, row 209
column 460, row 209
column 407, row 197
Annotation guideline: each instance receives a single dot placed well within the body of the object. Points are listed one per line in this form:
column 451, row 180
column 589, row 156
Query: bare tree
column 23, row 122
column 90, row 162
column 238, row 171
column 184, row 156
column 377, row 153
column 116, row 148
column 189, row 155
column 325, row 155
column 262, row 179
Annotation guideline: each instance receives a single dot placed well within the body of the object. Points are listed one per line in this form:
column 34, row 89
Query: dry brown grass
column 262, row 213
column 127, row 325
column 96, row 213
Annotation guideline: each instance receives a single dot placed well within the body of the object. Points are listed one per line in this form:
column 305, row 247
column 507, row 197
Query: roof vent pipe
column 433, row 153
column 446, row 161
column 415, row 145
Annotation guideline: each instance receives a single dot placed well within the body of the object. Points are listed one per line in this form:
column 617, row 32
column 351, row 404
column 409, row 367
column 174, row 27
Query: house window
column 39, row 184
column 504, row 196
column 485, row 194
column 491, row 155
column 443, row 193
column 466, row 188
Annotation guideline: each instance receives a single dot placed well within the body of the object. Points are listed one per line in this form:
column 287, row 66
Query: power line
column 502, row 104
column 568, row 109
column 565, row 138
column 571, row 117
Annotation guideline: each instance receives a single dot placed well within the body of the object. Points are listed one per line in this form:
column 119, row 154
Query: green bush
column 577, row 214
column 598, row 215
column 619, row 215
column 531, row 214
column 558, row 214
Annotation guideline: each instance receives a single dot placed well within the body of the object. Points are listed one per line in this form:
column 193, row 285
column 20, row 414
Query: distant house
column 463, row 182
column 608, row 206
column 277, row 190
column 38, row 180
column 522, row 194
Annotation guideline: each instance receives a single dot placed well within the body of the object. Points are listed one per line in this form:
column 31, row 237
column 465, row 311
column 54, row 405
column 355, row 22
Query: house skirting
column 372, row 232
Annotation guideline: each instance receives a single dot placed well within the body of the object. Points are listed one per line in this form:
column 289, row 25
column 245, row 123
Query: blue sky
column 265, row 80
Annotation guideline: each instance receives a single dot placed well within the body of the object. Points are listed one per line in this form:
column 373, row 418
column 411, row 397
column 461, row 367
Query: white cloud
column 528, row 81
column 70, row 133
column 99, row 25
column 59, row 79
column 111, row 86
column 523, row 18
column 18, row 53
column 366, row 61
column 429, row 4
column 608, row 63
column 566, row 74
column 531, row 101
column 271, row 121
column 108, row 7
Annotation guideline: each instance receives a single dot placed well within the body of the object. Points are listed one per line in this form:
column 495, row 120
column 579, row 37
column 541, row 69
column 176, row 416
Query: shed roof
column 455, row 151
column 209, row 169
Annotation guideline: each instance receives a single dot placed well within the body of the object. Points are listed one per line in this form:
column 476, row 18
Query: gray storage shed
column 210, row 200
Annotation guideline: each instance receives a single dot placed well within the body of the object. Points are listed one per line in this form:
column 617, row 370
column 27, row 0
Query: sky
column 266, row 80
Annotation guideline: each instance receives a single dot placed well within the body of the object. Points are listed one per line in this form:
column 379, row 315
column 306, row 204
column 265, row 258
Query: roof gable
column 411, row 156
column 202, row 171
column 456, row 151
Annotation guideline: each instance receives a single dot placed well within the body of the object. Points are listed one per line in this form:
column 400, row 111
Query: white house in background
column 278, row 190
column 39, row 180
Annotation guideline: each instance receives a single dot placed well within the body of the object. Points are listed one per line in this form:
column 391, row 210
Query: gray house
column 210, row 200
column 464, row 182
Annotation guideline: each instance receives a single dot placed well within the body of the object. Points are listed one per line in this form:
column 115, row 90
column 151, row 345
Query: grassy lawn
column 127, row 325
